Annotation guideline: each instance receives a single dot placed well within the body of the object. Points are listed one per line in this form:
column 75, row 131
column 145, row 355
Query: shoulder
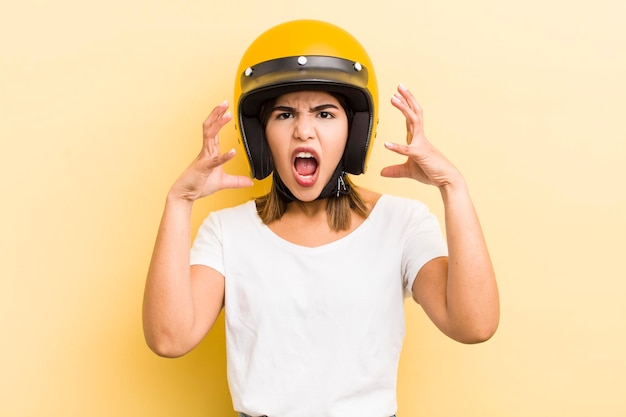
column 243, row 209
column 397, row 213
column 371, row 198
column 401, row 206
column 228, row 217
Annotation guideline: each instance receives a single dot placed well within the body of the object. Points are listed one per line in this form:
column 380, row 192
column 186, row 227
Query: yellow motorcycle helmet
column 305, row 55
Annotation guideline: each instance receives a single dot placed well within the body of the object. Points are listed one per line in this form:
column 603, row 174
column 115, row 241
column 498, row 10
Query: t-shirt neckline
column 273, row 237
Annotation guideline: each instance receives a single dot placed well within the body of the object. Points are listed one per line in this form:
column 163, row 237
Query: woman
column 313, row 275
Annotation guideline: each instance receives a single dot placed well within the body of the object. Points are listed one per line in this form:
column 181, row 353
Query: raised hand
column 205, row 176
column 424, row 162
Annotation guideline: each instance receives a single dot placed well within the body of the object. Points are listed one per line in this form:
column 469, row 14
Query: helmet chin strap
column 336, row 186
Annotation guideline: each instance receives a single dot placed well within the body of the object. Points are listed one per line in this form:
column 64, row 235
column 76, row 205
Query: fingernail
column 232, row 151
column 388, row 145
column 401, row 86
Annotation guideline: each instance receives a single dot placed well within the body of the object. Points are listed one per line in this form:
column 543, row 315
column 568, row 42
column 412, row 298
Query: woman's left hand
column 459, row 294
column 424, row 162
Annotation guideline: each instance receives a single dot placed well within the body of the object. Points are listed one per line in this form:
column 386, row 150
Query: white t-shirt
column 317, row 332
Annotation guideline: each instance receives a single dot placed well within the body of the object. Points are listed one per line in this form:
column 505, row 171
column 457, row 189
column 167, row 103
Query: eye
column 326, row 115
column 283, row 115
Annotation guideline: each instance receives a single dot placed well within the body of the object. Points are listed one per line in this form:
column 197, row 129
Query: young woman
column 313, row 275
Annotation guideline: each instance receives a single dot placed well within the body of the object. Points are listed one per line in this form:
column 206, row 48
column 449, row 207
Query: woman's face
column 307, row 133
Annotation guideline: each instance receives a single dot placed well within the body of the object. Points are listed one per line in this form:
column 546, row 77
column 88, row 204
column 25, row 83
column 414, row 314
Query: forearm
column 472, row 300
column 168, row 302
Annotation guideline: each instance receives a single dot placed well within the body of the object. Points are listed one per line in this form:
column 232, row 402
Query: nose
column 303, row 128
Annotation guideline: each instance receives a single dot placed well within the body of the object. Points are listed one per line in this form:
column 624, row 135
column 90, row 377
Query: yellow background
column 101, row 105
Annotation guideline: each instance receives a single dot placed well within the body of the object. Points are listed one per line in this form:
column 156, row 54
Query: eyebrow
column 321, row 107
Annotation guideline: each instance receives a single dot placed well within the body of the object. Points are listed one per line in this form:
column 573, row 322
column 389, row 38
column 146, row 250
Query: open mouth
column 305, row 167
column 305, row 164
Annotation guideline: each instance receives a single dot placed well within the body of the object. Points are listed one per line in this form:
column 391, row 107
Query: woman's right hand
column 204, row 176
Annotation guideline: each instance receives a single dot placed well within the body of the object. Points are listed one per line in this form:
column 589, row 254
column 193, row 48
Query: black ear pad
column 259, row 155
column 358, row 143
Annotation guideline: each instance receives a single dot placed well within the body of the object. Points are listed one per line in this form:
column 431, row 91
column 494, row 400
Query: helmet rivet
column 358, row 66
column 302, row 60
column 248, row 72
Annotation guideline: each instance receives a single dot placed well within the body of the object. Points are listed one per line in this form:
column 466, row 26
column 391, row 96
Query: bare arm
column 181, row 303
column 458, row 293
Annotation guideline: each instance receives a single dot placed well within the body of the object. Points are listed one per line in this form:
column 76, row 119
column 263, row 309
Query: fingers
column 398, row 148
column 404, row 101
column 400, row 170
column 214, row 160
column 410, row 151
column 410, row 99
column 237, row 181
column 394, row 171
column 211, row 127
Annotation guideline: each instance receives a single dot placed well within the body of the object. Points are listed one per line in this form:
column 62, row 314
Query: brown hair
column 273, row 205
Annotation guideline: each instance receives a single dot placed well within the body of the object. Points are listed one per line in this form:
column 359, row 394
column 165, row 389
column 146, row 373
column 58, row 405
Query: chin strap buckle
column 342, row 187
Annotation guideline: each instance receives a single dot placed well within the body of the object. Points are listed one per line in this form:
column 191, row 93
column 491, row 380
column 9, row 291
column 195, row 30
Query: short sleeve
column 207, row 247
column 424, row 241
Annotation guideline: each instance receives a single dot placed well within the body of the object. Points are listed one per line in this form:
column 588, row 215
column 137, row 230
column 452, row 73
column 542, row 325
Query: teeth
column 304, row 155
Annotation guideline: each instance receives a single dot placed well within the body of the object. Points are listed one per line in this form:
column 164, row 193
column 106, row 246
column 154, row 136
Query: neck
column 310, row 209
